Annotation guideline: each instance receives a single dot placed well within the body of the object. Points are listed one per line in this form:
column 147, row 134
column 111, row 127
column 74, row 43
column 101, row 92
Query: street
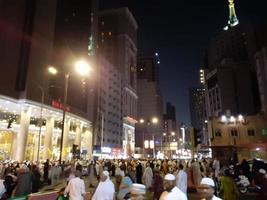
column 191, row 196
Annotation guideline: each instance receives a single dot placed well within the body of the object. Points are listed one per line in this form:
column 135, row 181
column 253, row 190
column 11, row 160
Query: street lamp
column 142, row 121
column 52, row 70
column 83, row 69
column 155, row 120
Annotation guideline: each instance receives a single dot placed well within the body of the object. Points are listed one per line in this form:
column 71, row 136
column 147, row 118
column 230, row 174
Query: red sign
column 116, row 151
column 59, row 105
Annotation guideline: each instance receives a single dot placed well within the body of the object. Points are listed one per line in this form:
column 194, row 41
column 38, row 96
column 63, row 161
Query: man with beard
column 206, row 189
column 174, row 193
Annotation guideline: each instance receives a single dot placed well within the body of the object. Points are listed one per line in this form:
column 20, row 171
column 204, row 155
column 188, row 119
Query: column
column 14, row 145
column 35, row 147
column 78, row 135
column 65, row 139
column 50, row 122
column 22, row 134
column 88, row 141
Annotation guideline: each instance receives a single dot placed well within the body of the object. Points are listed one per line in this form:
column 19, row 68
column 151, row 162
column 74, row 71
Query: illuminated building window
column 109, row 33
column 218, row 133
column 234, row 133
column 251, row 132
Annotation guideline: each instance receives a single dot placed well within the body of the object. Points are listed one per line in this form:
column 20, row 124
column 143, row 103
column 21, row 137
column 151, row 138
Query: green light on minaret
column 233, row 21
column 91, row 46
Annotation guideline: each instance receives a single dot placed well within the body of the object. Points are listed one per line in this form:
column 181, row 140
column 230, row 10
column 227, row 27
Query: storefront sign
column 59, row 105
column 106, row 150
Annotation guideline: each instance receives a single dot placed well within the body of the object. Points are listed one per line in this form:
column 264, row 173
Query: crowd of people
column 132, row 179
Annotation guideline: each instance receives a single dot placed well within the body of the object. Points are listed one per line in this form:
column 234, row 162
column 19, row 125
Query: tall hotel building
column 31, row 40
column 117, row 42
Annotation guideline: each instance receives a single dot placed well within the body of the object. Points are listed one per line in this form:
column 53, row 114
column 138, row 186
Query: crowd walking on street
column 118, row 179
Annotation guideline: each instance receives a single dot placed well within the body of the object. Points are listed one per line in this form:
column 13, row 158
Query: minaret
column 233, row 21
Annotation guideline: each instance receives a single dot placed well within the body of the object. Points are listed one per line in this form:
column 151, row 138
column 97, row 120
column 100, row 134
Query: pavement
column 191, row 196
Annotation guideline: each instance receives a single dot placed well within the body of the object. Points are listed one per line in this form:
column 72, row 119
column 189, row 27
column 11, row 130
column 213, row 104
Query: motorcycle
column 242, row 183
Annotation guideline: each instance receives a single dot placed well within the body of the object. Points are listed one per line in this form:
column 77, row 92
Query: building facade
column 238, row 137
column 117, row 41
column 149, row 105
column 30, row 124
column 230, row 78
column 108, row 126
column 197, row 107
column 171, row 132
column 261, row 64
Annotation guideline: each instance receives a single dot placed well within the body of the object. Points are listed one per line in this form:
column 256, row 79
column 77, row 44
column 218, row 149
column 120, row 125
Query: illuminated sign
column 59, row 105
column 106, row 149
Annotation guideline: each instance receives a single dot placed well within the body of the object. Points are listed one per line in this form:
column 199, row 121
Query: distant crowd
column 132, row 179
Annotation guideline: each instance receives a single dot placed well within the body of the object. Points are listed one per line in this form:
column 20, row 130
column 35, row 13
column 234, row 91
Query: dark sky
column 180, row 30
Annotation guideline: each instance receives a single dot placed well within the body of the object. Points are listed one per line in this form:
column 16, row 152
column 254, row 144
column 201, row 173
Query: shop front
column 28, row 132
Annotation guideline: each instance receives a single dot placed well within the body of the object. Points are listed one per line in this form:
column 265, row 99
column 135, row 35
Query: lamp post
column 42, row 89
column 40, row 123
column 83, row 69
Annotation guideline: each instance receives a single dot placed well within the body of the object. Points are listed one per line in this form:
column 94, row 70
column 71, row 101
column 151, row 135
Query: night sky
column 180, row 30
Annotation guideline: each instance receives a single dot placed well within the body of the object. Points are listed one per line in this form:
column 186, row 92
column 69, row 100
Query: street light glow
column 155, row 120
column 173, row 133
column 52, row 70
column 151, row 144
column 223, row 118
column 142, row 121
column 146, row 144
column 240, row 118
column 232, row 119
column 82, row 67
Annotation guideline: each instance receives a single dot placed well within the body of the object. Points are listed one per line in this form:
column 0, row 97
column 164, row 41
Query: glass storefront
column 21, row 121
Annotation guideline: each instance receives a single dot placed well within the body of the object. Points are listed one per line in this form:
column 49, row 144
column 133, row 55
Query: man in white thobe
column 181, row 179
column 105, row 189
column 148, row 176
column 75, row 187
column 216, row 167
column 174, row 193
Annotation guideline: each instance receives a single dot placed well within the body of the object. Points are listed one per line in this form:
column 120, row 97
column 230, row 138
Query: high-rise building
column 149, row 103
column 197, row 107
column 261, row 65
column 108, row 126
column 231, row 89
column 230, row 78
column 117, row 42
column 170, row 136
column 31, row 122
column 72, row 39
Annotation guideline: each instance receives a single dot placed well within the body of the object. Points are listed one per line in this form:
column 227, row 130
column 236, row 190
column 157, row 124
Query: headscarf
column 105, row 189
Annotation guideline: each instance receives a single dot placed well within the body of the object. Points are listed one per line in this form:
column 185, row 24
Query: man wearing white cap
column 75, row 187
column 138, row 191
column 206, row 189
column 105, row 189
column 174, row 193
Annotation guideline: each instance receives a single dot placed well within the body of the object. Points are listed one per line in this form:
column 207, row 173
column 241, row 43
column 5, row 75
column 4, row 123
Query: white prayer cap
column 138, row 189
column 207, row 181
column 262, row 171
column 23, row 166
column 169, row 177
column 106, row 173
